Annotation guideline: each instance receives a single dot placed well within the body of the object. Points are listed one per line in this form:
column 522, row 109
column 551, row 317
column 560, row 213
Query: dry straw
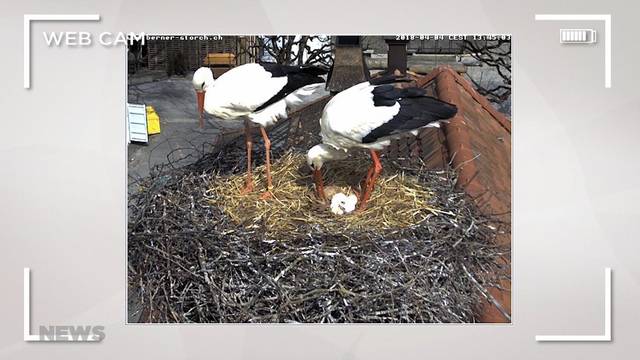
column 399, row 200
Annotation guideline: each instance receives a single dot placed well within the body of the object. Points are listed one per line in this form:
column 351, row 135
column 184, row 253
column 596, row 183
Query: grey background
column 575, row 173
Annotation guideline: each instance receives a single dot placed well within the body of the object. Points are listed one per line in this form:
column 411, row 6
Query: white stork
column 369, row 115
column 258, row 94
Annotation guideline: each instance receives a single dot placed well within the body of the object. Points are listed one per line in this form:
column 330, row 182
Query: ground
column 181, row 140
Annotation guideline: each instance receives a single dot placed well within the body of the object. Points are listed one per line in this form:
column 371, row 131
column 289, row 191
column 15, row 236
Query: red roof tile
column 478, row 141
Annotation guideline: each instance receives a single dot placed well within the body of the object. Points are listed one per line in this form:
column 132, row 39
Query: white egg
column 342, row 204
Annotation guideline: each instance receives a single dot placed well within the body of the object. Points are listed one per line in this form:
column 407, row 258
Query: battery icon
column 577, row 36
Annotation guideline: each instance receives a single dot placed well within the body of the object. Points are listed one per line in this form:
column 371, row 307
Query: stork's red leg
column 200, row 101
column 365, row 182
column 364, row 187
column 370, row 183
column 317, row 176
column 249, row 142
column 267, row 150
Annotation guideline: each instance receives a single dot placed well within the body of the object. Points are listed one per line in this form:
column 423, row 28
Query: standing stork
column 369, row 115
column 256, row 94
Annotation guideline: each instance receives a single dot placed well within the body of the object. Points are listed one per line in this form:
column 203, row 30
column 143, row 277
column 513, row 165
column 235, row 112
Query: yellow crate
column 153, row 121
column 220, row 59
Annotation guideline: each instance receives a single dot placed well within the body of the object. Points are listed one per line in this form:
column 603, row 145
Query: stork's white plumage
column 369, row 115
column 257, row 94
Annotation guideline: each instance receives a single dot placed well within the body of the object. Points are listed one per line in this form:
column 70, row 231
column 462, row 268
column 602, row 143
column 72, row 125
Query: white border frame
column 28, row 18
column 606, row 337
column 28, row 337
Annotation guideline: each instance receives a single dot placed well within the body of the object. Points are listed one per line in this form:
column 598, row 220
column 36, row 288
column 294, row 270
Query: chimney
column 348, row 67
column 397, row 55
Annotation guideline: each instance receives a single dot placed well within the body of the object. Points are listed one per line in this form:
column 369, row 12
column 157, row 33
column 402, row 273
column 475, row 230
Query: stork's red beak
column 317, row 176
column 200, row 97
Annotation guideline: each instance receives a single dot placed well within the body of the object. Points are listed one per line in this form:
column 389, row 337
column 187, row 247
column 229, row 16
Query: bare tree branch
column 497, row 55
column 293, row 50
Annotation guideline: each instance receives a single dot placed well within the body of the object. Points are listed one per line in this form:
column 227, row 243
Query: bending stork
column 369, row 115
column 256, row 94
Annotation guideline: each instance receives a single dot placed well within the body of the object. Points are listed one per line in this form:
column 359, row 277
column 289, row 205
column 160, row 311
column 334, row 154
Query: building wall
column 164, row 53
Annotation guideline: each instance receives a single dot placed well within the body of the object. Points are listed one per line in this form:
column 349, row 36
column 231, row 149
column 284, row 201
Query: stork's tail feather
column 416, row 111
column 412, row 92
column 435, row 108
column 297, row 78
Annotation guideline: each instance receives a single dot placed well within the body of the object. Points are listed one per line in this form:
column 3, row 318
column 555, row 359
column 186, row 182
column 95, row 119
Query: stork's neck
column 329, row 152
column 208, row 83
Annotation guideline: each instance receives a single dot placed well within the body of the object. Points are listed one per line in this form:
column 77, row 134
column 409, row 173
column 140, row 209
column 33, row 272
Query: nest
column 198, row 252
column 399, row 200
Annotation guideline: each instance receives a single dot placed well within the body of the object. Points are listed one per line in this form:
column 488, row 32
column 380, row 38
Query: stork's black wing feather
column 416, row 110
column 297, row 77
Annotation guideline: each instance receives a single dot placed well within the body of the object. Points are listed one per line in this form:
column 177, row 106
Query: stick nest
column 199, row 252
column 399, row 200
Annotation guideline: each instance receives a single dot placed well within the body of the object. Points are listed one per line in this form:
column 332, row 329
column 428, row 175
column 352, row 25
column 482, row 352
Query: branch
column 495, row 54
